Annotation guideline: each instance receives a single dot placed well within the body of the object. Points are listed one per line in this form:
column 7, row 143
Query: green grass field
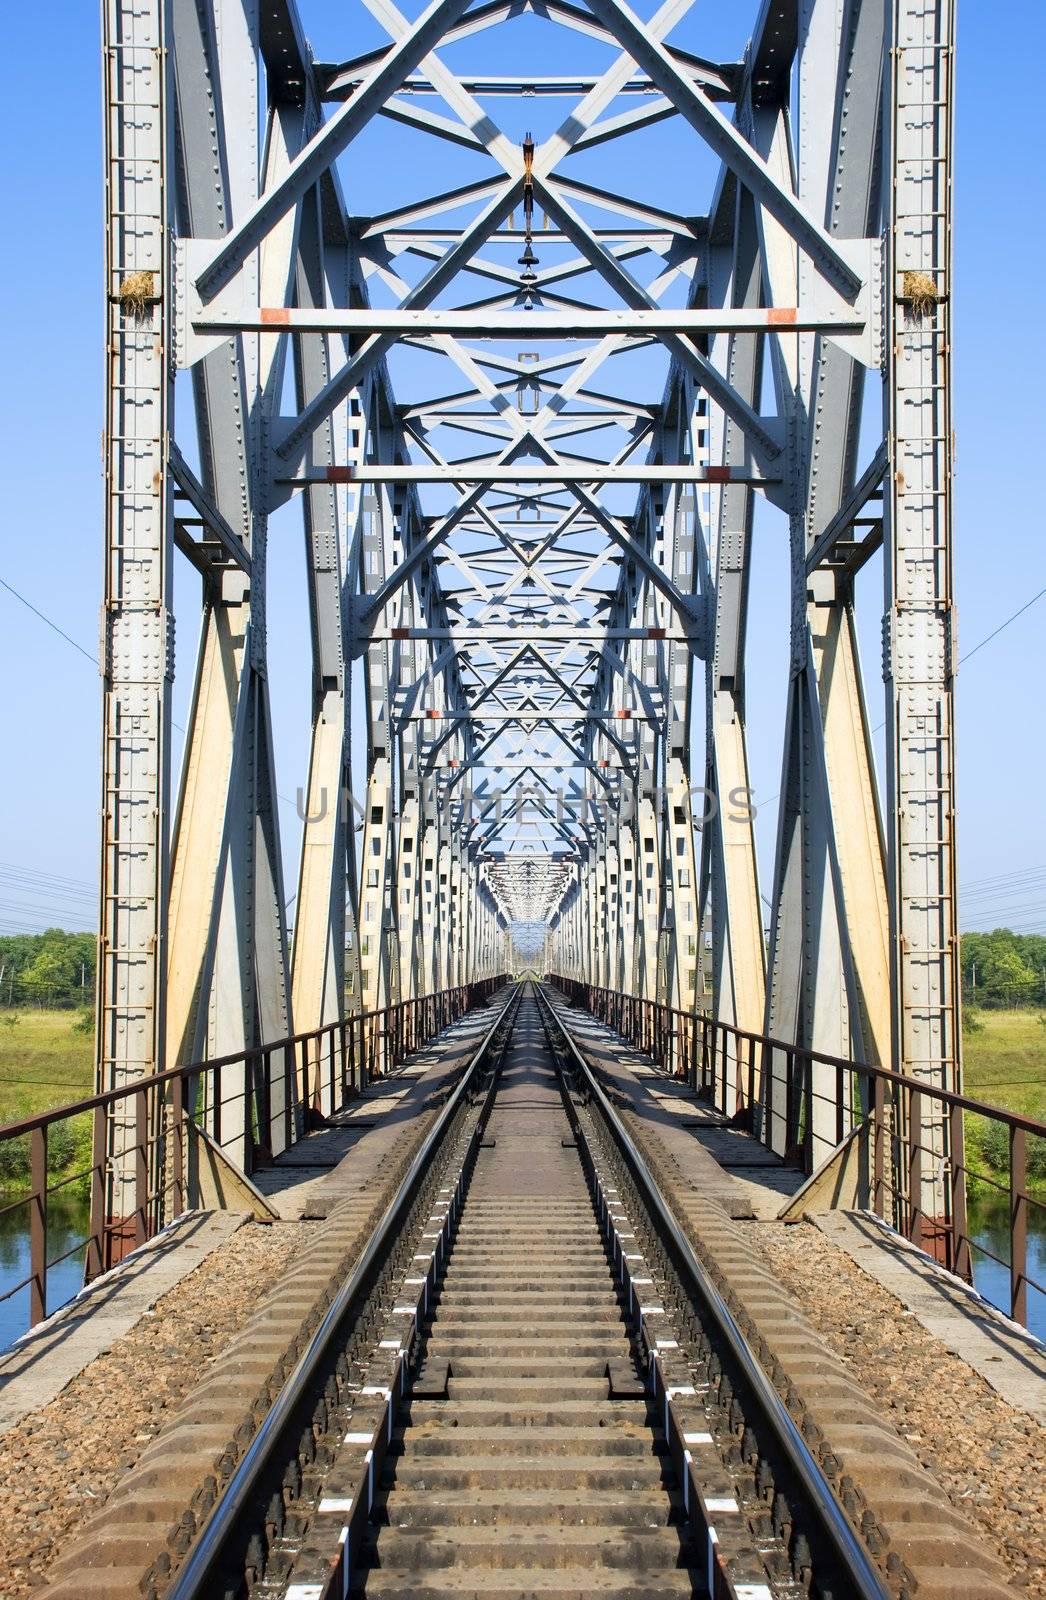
column 1005, row 1060
column 1005, row 1065
column 45, row 1061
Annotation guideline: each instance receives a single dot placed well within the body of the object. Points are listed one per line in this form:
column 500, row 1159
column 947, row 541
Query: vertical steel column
column 378, row 941
column 318, row 959
column 919, row 626
column 730, row 867
column 457, row 912
column 613, row 863
column 682, row 518
column 137, row 625
column 627, row 858
column 376, row 880
column 427, row 866
column 408, row 858
column 445, row 947
column 601, row 969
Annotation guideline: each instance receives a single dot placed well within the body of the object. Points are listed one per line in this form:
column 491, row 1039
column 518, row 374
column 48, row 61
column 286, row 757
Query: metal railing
column 273, row 1094
column 796, row 1101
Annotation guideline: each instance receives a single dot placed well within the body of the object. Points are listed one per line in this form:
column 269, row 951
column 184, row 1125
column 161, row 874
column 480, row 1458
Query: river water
column 67, row 1225
column 989, row 1222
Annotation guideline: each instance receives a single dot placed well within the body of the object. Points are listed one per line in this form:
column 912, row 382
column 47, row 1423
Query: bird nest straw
column 919, row 292
column 138, row 293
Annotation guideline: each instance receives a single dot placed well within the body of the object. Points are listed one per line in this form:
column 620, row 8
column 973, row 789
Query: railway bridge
column 539, row 1202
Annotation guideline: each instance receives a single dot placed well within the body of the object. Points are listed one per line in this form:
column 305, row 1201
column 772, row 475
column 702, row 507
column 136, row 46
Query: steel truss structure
column 528, row 582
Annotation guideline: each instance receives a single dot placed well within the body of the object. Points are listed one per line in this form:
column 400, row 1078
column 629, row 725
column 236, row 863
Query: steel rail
column 192, row 1580
column 857, row 1564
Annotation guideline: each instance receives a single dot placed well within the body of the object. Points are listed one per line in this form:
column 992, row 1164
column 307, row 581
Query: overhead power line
column 1005, row 908
column 990, row 636
column 47, row 620
column 29, row 878
column 1005, row 891
column 46, row 913
column 1001, row 879
column 88, row 656
column 994, row 635
column 972, row 652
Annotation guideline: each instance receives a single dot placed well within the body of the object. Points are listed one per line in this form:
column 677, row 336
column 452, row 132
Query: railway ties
column 534, row 1474
column 527, row 1421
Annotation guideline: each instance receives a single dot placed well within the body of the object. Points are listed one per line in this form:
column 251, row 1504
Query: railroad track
column 531, row 1385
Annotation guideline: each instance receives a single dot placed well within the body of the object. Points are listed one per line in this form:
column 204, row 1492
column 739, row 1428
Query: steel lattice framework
column 528, row 584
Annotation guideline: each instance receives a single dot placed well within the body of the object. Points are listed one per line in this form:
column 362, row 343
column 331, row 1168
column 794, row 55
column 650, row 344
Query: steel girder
column 506, row 651
column 137, row 635
column 919, row 633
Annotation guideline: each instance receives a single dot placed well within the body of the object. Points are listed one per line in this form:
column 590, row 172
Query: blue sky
column 50, row 543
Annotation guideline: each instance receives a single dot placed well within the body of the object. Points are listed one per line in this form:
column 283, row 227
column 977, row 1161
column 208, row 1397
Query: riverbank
column 1005, row 1059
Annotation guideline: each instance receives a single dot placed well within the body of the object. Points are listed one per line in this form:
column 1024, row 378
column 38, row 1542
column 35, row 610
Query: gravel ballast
column 986, row 1455
column 59, row 1465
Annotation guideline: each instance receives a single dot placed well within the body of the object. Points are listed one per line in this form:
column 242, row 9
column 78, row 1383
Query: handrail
column 775, row 1090
column 949, row 1096
column 270, row 1094
column 108, row 1097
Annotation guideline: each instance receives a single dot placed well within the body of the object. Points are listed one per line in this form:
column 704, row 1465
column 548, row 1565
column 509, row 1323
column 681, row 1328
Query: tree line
column 1002, row 968
column 55, row 968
